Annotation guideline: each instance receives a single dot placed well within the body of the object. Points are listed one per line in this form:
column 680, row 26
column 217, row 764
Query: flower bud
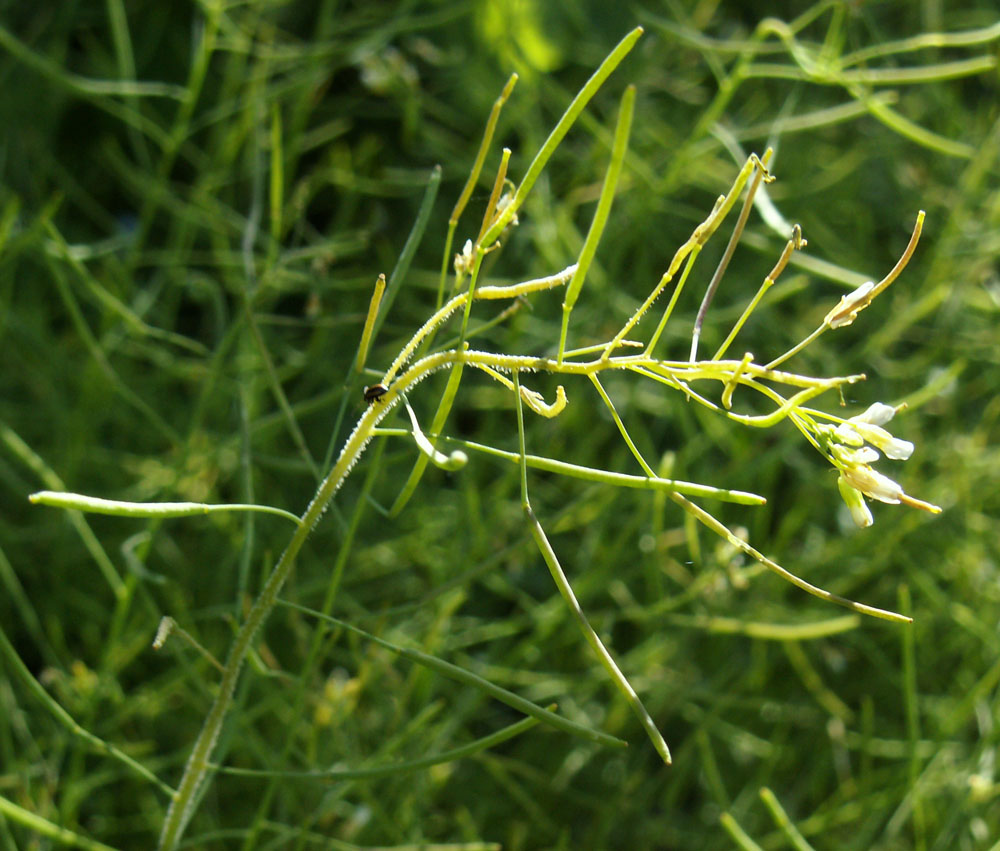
column 846, row 433
column 855, row 457
column 856, row 503
column 878, row 414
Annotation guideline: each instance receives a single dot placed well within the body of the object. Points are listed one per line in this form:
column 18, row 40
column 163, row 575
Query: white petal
column 877, row 414
column 898, row 450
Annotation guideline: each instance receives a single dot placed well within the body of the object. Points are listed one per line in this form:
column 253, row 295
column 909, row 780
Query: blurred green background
column 196, row 202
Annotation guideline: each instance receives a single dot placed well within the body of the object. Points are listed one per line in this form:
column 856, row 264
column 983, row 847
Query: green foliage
column 195, row 209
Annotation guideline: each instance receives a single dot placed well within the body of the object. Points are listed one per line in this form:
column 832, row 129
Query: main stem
column 195, row 771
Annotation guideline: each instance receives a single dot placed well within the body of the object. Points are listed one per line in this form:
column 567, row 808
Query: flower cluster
column 857, row 443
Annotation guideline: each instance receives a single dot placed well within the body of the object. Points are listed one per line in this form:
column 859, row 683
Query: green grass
column 196, row 205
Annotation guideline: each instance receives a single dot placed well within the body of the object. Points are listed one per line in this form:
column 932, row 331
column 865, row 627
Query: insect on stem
column 374, row 392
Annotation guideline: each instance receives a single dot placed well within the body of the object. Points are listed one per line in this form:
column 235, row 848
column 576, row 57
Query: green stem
column 621, row 426
column 197, row 767
column 119, row 508
column 396, row 769
column 784, row 823
column 698, row 238
column 727, row 255
column 724, row 532
column 461, row 675
column 559, row 131
column 601, row 214
column 43, row 827
column 566, row 591
column 607, row 477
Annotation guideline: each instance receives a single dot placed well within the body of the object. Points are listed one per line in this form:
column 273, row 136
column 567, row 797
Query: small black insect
column 375, row 392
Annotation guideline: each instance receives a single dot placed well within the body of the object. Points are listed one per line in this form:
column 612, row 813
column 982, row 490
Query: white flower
column 893, row 447
column 867, row 428
column 852, row 449
column 465, row 260
column 873, row 483
column 856, row 503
